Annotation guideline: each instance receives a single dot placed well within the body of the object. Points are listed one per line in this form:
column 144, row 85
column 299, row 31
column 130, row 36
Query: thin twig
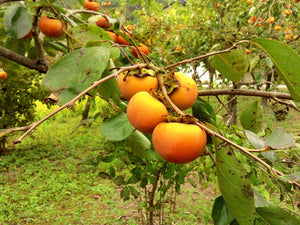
column 77, row 97
column 206, row 55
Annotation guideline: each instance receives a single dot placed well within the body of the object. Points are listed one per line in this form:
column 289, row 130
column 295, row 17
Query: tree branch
column 24, row 61
column 72, row 101
column 205, row 56
column 266, row 94
column 6, row 1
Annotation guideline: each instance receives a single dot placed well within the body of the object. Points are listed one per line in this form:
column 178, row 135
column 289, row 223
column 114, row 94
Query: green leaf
column 232, row 65
column 203, row 111
column 17, row 21
column 269, row 62
column 76, row 71
column 253, row 63
column 234, row 184
column 279, row 139
column 221, row 213
column 290, row 177
column 286, row 62
column 251, row 117
column 125, row 193
column 109, row 89
column 117, row 128
column 255, row 140
column 138, row 143
column 55, row 45
column 275, row 215
column 85, row 33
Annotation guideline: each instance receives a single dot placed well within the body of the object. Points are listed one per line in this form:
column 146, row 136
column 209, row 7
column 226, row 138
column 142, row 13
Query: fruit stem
column 159, row 75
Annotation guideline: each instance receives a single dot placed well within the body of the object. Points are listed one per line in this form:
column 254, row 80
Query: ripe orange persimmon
column 271, row 19
column 277, row 28
column 121, row 40
column 133, row 84
column 103, row 22
column 178, row 142
column 91, row 5
column 288, row 12
column 51, row 27
column 112, row 35
column 144, row 112
column 247, row 51
column 186, row 94
column 3, row 75
column 143, row 49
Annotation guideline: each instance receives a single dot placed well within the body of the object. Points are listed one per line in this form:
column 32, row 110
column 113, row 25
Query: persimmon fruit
column 186, row 94
column 144, row 112
column 3, row 75
column 131, row 84
column 103, row 22
column 51, row 27
column 121, row 40
column 91, row 5
column 143, row 49
column 178, row 142
column 112, row 35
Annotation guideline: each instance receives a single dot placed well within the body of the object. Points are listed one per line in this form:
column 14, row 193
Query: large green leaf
column 234, row 184
column 76, row 71
column 232, row 65
column 117, row 128
column 286, row 62
column 280, row 139
column 17, row 21
column 88, row 33
column 251, row 117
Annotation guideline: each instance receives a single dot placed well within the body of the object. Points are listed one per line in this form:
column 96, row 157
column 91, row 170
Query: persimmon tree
column 87, row 59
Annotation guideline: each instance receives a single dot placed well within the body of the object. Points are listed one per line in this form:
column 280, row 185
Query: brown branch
column 37, row 41
column 22, row 60
column 6, row 1
column 77, row 97
column 266, row 94
column 205, row 56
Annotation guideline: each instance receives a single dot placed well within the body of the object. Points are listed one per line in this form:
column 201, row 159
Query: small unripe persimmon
column 3, row 75
column 145, row 112
column 178, row 142
column 51, row 27
column 91, row 5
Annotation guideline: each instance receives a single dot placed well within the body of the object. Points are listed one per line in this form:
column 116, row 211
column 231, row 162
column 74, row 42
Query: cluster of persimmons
column 147, row 110
column 176, row 141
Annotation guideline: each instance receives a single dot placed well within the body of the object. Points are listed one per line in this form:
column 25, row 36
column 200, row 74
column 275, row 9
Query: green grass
column 39, row 183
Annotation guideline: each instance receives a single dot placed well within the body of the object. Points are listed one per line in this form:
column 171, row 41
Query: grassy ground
column 39, row 183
